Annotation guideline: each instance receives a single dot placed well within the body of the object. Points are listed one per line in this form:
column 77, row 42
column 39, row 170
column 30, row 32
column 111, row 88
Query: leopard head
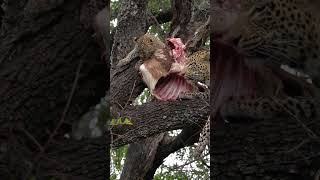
column 279, row 31
column 199, row 67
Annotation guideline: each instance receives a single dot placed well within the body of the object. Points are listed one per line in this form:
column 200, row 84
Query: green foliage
column 173, row 175
column 159, row 5
column 120, row 121
column 164, row 28
column 183, row 162
column 155, row 6
column 207, row 43
column 143, row 97
column 146, row 94
column 117, row 161
column 114, row 6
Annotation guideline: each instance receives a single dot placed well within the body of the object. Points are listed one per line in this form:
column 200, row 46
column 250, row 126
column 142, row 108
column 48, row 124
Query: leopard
column 204, row 139
column 272, row 32
column 198, row 66
column 198, row 74
column 266, row 32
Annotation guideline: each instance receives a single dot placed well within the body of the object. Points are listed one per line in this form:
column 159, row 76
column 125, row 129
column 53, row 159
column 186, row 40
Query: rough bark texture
column 187, row 137
column 86, row 159
column 154, row 150
column 182, row 11
column 46, row 50
column 161, row 17
column 279, row 148
column 131, row 23
column 157, row 117
column 142, row 152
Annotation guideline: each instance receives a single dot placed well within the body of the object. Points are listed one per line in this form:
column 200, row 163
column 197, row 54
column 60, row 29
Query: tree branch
column 132, row 23
column 181, row 18
column 161, row 17
column 157, row 117
column 187, row 137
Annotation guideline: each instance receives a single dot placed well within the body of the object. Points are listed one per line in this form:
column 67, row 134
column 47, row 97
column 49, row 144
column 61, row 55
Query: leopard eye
column 150, row 40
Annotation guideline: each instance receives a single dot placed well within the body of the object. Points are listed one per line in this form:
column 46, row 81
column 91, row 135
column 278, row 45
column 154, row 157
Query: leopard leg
column 204, row 139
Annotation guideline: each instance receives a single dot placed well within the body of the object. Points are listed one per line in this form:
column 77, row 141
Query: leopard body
column 198, row 74
column 273, row 32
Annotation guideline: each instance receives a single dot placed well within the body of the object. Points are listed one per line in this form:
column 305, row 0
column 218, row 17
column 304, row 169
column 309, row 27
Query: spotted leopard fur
column 199, row 67
column 198, row 74
column 277, row 32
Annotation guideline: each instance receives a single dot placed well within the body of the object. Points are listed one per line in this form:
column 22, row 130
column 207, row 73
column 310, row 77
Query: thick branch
column 157, row 117
column 86, row 159
column 187, row 137
column 181, row 18
column 161, row 17
column 39, row 60
column 144, row 152
column 199, row 37
column 132, row 23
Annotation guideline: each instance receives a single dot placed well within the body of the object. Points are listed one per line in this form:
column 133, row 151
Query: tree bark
column 182, row 12
column 157, row 117
column 132, row 23
column 169, row 145
column 278, row 148
column 140, row 157
column 50, row 74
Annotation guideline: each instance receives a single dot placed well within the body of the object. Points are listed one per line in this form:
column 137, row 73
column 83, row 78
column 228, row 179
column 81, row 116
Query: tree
column 51, row 73
column 150, row 144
